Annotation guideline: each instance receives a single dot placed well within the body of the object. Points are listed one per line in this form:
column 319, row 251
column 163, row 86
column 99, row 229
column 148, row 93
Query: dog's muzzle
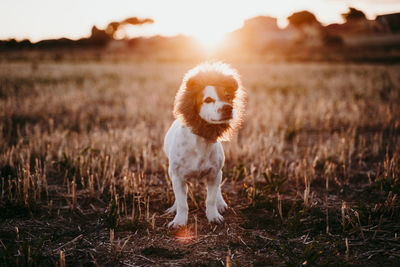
column 226, row 112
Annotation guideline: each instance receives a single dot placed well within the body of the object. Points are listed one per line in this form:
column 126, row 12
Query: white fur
column 192, row 157
column 210, row 111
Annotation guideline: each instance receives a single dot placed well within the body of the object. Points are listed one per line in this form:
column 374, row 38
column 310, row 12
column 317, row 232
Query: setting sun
column 209, row 37
column 207, row 21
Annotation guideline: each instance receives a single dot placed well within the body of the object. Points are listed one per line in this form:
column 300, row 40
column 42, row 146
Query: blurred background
column 333, row 30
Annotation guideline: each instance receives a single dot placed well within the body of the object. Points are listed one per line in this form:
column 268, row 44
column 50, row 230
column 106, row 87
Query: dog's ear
column 231, row 85
column 193, row 84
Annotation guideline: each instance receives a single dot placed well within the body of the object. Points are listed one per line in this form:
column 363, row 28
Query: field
column 311, row 179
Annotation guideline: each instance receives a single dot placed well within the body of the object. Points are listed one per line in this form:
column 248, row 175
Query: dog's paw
column 214, row 216
column 178, row 221
column 222, row 206
column 172, row 209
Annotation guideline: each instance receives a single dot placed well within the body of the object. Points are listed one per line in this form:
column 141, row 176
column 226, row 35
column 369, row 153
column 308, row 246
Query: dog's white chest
column 191, row 155
column 197, row 162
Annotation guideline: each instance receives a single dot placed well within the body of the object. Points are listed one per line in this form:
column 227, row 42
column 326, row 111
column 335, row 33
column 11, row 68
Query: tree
column 99, row 37
column 299, row 19
column 353, row 14
column 137, row 21
column 114, row 26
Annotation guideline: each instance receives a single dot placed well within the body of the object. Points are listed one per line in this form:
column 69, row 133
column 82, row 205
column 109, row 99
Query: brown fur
column 189, row 99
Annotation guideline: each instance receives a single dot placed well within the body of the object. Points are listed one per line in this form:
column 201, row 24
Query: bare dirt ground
column 311, row 179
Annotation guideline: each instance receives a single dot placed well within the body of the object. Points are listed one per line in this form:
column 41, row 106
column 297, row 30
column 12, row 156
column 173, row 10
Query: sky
column 44, row 19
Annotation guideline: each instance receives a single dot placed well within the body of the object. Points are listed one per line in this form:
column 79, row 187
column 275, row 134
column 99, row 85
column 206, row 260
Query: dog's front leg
column 180, row 203
column 213, row 185
column 221, row 204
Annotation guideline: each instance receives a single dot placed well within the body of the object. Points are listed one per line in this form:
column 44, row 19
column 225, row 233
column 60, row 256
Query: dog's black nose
column 226, row 112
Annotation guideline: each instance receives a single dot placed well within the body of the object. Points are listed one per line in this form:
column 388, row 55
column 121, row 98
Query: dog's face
column 211, row 101
column 215, row 104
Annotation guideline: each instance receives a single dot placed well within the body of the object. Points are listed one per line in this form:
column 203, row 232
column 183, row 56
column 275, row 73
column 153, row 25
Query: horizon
column 206, row 21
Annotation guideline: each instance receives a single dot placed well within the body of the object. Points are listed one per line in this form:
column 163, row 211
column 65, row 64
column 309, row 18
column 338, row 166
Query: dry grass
column 312, row 178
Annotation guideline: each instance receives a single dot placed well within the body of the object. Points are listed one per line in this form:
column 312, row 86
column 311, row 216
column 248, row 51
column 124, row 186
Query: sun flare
column 209, row 39
column 204, row 21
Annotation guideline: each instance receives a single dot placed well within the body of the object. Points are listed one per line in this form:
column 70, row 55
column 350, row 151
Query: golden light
column 209, row 39
column 209, row 25
column 207, row 21
column 184, row 235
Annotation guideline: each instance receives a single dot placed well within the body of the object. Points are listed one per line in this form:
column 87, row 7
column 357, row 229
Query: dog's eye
column 209, row 100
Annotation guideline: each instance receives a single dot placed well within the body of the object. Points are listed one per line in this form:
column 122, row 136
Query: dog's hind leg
column 180, row 203
column 213, row 186
column 172, row 209
column 221, row 204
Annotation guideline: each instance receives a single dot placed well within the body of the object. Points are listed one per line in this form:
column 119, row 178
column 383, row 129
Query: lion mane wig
column 188, row 100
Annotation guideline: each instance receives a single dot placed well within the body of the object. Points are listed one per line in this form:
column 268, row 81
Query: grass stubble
column 312, row 178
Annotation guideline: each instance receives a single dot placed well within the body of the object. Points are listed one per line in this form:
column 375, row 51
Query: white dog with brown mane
column 208, row 109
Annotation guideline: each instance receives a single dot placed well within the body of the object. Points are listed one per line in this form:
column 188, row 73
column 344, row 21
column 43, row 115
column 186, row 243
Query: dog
column 208, row 108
